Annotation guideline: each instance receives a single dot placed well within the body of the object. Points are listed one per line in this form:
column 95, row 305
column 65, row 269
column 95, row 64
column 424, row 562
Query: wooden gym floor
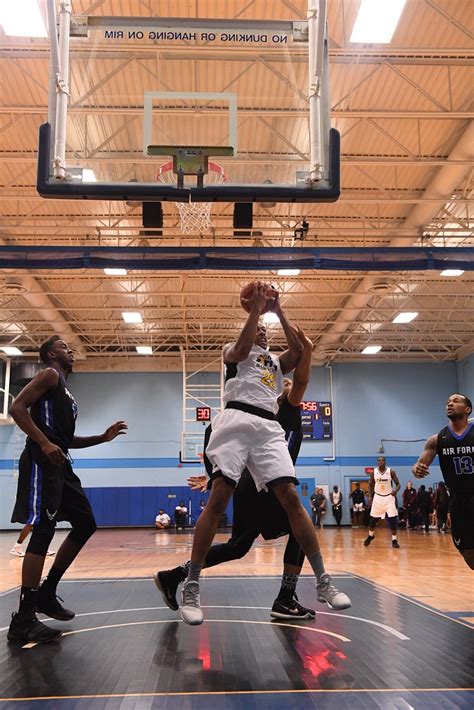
column 406, row 642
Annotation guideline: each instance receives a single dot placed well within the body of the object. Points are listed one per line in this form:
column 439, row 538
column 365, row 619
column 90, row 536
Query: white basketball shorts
column 383, row 505
column 240, row 440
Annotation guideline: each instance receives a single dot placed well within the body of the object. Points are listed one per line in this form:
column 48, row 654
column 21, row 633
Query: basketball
column 247, row 291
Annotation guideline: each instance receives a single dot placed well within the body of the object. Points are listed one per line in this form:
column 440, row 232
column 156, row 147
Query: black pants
column 411, row 517
column 254, row 514
column 425, row 518
column 442, row 515
column 337, row 512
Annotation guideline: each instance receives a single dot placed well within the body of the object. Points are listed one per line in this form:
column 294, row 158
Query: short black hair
column 46, row 347
column 467, row 402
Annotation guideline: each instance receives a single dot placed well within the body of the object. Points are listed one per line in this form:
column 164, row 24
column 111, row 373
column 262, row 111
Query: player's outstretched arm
column 114, row 430
column 239, row 351
column 289, row 358
column 421, row 468
column 302, row 371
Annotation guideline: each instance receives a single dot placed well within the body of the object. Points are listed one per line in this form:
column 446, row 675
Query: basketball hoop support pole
column 60, row 61
column 316, row 28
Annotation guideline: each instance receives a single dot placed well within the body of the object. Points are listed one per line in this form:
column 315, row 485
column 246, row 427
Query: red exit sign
column 203, row 414
column 369, row 470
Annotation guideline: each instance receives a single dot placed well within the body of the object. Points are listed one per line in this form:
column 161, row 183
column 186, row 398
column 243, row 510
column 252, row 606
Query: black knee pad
column 373, row 522
column 393, row 522
column 81, row 533
column 41, row 537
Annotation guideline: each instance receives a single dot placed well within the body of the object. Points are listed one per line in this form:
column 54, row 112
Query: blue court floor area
column 125, row 649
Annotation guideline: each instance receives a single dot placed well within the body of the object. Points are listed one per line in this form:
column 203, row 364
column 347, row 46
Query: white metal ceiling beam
column 437, row 193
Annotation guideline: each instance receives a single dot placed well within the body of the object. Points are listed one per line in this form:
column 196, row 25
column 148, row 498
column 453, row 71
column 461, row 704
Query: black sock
column 52, row 580
column 288, row 585
column 27, row 601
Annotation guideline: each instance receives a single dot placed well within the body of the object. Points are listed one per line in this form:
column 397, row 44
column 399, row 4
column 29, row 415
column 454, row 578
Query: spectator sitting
column 162, row 520
column 180, row 515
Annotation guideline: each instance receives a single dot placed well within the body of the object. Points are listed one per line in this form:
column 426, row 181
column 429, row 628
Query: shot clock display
column 203, row 414
column 316, row 420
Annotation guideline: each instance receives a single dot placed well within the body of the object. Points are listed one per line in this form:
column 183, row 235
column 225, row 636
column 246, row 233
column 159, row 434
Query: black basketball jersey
column 55, row 414
column 289, row 418
column 456, row 459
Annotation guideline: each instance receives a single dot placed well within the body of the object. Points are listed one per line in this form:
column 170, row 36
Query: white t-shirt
column 258, row 380
column 163, row 519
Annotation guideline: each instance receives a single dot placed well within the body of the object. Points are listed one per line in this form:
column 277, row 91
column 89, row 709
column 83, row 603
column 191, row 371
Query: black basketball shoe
column 30, row 630
column 395, row 543
column 368, row 540
column 167, row 583
column 290, row 609
column 47, row 603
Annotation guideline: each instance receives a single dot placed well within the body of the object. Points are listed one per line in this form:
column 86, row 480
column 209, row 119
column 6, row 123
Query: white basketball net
column 194, row 216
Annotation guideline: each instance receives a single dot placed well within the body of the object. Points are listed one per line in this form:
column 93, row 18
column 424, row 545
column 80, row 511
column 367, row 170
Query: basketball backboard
column 128, row 94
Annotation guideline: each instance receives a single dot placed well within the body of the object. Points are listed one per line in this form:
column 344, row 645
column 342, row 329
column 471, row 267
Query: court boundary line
column 242, row 692
column 89, row 580
column 385, row 627
column 323, row 632
column 427, row 607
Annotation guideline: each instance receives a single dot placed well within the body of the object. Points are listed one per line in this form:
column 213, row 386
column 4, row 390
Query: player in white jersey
column 246, row 434
column 383, row 499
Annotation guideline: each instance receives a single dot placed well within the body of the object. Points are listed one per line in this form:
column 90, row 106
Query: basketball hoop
column 194, row 216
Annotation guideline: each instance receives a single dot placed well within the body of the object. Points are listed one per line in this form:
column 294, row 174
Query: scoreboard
column 316, row 420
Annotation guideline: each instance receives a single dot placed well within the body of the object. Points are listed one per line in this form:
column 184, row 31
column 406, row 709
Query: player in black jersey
column 49, row 490
column 454, row 446
column 261, row 514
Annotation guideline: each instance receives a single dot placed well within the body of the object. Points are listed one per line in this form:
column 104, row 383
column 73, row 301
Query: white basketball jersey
column 383, row 482
column 257, row 380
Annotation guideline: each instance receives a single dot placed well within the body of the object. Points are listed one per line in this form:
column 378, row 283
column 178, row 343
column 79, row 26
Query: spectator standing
column 424, row 505
column 336, row 502
column 357, row 497
column 441, row 506
column 409, row 498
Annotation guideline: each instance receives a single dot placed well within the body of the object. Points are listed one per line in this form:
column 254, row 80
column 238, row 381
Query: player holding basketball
column 259, row 513
column 454, row 446
column 383, row 499
column 246, row 433
column 49, row 490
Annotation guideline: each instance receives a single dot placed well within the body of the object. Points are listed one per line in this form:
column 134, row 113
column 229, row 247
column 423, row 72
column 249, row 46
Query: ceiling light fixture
column 452, row 272
column 270, row 318
column 144, row 349
column 376, row 21
column 22, row 18
column 288, row 272
column 115, row 272
column 371, row 350
column 405, row 317
column 10, row 350
column 132, row 317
